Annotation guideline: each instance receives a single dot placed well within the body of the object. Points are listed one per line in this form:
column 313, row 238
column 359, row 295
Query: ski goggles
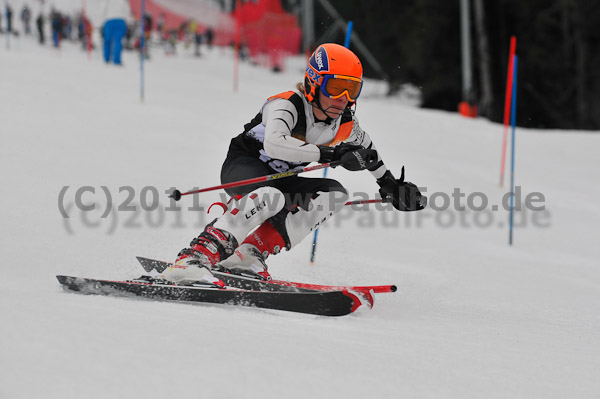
column 335, row 86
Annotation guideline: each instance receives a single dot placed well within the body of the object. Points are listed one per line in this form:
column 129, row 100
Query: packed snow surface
column 473, row 317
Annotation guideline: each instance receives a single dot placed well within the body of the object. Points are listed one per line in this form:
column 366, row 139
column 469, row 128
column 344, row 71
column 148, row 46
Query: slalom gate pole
column 313, row 249
column 142, row 48
column 348, row 34
column 507, row 104
column 512, row 158
column 316, row 233
column 176, row 195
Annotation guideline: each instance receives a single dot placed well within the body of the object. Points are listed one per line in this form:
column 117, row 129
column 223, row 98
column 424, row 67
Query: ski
column 248, row 283
column 324, row 303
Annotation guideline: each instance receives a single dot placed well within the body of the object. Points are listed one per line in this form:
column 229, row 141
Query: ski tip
column 393, row 288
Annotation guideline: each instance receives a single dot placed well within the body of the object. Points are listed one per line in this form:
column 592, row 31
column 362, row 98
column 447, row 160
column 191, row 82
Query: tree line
column 418, row 42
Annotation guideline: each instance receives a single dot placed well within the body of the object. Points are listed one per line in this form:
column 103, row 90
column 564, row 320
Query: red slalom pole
column 87, row 32
column 507, row 103
column 176, row 195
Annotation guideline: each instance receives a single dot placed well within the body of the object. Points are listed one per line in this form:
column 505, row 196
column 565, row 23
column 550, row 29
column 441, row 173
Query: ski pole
column 369, row 201
column 359, row 202
column 176, row 194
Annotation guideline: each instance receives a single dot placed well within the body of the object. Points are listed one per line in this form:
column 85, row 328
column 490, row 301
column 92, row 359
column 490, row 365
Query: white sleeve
column 360, row 137
column 279, row 117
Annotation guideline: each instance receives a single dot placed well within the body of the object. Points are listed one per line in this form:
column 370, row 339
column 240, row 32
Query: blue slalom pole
column 314, row 243
column 142, row 47
column 513, row 118
column 348, row 34
column 314, row 247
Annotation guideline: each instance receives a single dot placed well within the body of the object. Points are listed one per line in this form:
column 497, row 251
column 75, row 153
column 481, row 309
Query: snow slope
column 473, row 317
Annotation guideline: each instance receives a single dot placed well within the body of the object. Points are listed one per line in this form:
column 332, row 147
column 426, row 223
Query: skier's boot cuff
column 266, row 239
column 247, row 260
column 211, row 246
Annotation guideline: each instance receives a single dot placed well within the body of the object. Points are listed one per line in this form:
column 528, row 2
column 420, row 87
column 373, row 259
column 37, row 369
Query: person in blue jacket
column 113, row 32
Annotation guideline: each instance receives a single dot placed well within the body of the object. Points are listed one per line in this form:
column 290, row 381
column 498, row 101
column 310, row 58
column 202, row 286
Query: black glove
column 330, row 154
column 405, row 196
column 352, row 157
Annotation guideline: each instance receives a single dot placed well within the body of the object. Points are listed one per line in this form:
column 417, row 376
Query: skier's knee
column 245, row 213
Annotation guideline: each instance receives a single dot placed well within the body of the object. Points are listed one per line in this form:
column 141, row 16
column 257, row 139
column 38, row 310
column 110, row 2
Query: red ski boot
column 249, row 258
column 194, row 264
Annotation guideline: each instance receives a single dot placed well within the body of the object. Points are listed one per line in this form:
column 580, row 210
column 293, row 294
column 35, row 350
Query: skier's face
column 333, row 106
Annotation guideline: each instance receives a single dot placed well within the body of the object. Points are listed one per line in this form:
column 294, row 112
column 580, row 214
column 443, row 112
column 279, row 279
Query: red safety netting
column 223, row 25
column 267, row 31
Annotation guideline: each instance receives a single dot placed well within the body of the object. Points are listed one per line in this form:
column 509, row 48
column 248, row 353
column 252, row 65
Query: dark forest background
column 418, row 42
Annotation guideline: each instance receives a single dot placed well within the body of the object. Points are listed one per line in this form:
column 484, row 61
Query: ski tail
column 150, row 265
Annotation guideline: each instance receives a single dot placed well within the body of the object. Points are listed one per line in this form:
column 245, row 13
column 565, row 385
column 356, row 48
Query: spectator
column 197, row 43
column 26, row 19
column 9, row 14
column 56, row 21
column 113, row 32
column 147, row 32
column 66, row 27
column 160, row 26
column 84, row 32
column 210, row 35
column 147, row 26
column 39, row 21
column 132, row 29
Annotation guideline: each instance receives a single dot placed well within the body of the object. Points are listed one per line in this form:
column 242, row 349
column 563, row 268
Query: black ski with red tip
column 325, row 303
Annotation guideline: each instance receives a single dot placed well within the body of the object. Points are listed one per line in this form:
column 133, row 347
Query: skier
column 314, row 123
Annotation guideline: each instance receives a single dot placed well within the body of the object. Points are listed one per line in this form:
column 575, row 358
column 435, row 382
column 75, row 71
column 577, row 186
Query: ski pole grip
column 176, row 195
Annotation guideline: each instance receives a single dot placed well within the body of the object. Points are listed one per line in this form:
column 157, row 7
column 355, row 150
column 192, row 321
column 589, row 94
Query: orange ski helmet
column 335, row 71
